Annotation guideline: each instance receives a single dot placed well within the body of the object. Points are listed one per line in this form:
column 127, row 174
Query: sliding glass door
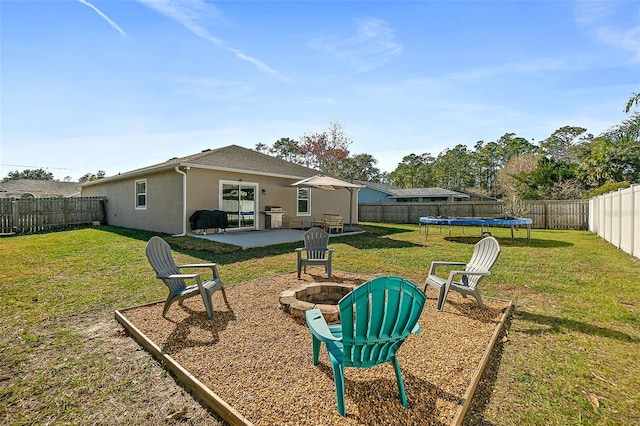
column 239, row 201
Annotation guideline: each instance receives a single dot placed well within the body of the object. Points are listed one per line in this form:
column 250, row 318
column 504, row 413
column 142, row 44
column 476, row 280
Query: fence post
column 16, row 215
column 65, row 212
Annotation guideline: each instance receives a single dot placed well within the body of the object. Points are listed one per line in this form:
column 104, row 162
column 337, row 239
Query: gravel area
column 258, row 358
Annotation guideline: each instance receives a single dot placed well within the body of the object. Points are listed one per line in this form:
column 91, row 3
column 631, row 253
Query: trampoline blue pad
column 469, row 221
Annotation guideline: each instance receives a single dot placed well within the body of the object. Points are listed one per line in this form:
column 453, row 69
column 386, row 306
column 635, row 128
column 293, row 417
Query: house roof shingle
column 395, row 192
column 230, row 158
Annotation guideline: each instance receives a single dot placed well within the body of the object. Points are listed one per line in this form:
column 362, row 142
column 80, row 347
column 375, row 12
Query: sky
column 90, row 85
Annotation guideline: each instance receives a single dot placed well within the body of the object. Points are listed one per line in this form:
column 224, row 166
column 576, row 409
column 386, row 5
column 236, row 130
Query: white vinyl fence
column 615, row 216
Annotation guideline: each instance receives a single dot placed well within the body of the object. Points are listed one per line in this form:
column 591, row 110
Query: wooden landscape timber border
column 233, row 417
column 463, row 406
column 210, row 398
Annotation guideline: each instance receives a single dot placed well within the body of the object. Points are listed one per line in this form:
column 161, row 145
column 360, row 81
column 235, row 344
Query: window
column 304, row 207
column 141, row 194
column 238, row 199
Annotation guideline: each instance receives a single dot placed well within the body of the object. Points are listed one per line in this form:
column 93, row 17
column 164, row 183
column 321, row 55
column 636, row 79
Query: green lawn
column 570, row 355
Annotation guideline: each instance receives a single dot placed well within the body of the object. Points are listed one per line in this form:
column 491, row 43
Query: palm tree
column 633, row 100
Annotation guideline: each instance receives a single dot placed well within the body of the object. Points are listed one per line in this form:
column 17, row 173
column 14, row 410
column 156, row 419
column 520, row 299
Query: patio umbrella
column 328, row 183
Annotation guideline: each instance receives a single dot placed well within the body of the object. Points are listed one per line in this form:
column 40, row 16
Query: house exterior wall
column 163, row 212
column 203, row 193
column 370, row 196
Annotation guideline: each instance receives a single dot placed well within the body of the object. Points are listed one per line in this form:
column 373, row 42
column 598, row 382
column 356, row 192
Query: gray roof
column 39, row 188
column 427, row 192
column 395, row 192
column 377, row 186
column 230, row 158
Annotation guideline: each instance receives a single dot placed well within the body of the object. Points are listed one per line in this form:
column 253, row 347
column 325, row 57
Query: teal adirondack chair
column 376, row 318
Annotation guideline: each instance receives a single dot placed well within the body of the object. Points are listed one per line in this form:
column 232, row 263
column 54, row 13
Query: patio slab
column 250, row 239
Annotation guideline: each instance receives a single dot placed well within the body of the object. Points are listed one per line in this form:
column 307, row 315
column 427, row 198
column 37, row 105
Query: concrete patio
column 250, row 239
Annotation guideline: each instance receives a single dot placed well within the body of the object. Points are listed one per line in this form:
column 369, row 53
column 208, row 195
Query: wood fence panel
column 23, row 216
column 562, row 214
column 6, row 216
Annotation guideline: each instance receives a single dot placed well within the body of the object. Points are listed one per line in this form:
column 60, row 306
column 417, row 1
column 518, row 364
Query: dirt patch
column 257, row 358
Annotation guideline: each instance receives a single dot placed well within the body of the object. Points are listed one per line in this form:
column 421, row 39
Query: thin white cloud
column 624, row 39
column 532, row 66
column 587, row 12
column 371, row 47
column 600, row 18
column 105, row 17
column 187, row 12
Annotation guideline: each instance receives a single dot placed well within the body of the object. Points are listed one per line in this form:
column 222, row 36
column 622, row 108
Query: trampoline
column 475, row 221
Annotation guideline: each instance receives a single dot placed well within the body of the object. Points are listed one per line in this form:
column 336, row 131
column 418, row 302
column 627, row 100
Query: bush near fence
column 546, row 214
column 24, row 216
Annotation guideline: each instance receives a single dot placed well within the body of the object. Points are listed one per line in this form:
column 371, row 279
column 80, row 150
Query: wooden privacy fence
column 561, row 214
column 615, row 216
column 23, row 216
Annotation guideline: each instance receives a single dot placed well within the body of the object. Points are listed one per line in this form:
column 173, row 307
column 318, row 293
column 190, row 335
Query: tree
column 287, row 149
column 263, row 148
column 414, row 171
column 557, row 145
column 90, row 177
column 510, row 146
column 359, row 167
column 454, row 168
column 325, row 150
column 614, row 156
column 552, row 179
column 34, row 174
column 633, row 100
column 487, row 166
column 507, row 183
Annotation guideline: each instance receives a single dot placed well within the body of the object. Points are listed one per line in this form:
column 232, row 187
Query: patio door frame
column 240, row 185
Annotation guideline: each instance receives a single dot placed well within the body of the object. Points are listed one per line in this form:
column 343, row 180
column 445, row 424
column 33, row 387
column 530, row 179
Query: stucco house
column 244, row 183
column 383, row 193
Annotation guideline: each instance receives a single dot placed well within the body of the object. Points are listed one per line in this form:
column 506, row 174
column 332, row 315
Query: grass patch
column 570, row 355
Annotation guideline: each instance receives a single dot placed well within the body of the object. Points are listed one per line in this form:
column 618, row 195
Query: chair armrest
column 319, row 327
column 177, row 276
column 435, row 264
column 212, row 266
column 452, row 274
column 198, row 265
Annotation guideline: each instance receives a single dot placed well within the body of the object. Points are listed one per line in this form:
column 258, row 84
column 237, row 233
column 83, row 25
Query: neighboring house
column 32, row 188
column 383, row 193
column 240, row 181
column 473, row 196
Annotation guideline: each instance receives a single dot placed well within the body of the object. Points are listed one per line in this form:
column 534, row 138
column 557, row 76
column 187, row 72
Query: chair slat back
column 377, row 317
column 316, row 241
column 159, row 254
column 484, row 256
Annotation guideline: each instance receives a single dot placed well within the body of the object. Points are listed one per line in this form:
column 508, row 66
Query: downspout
column 184, row 201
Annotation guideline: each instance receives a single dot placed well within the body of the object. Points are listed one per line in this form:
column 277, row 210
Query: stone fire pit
column 324, row 296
